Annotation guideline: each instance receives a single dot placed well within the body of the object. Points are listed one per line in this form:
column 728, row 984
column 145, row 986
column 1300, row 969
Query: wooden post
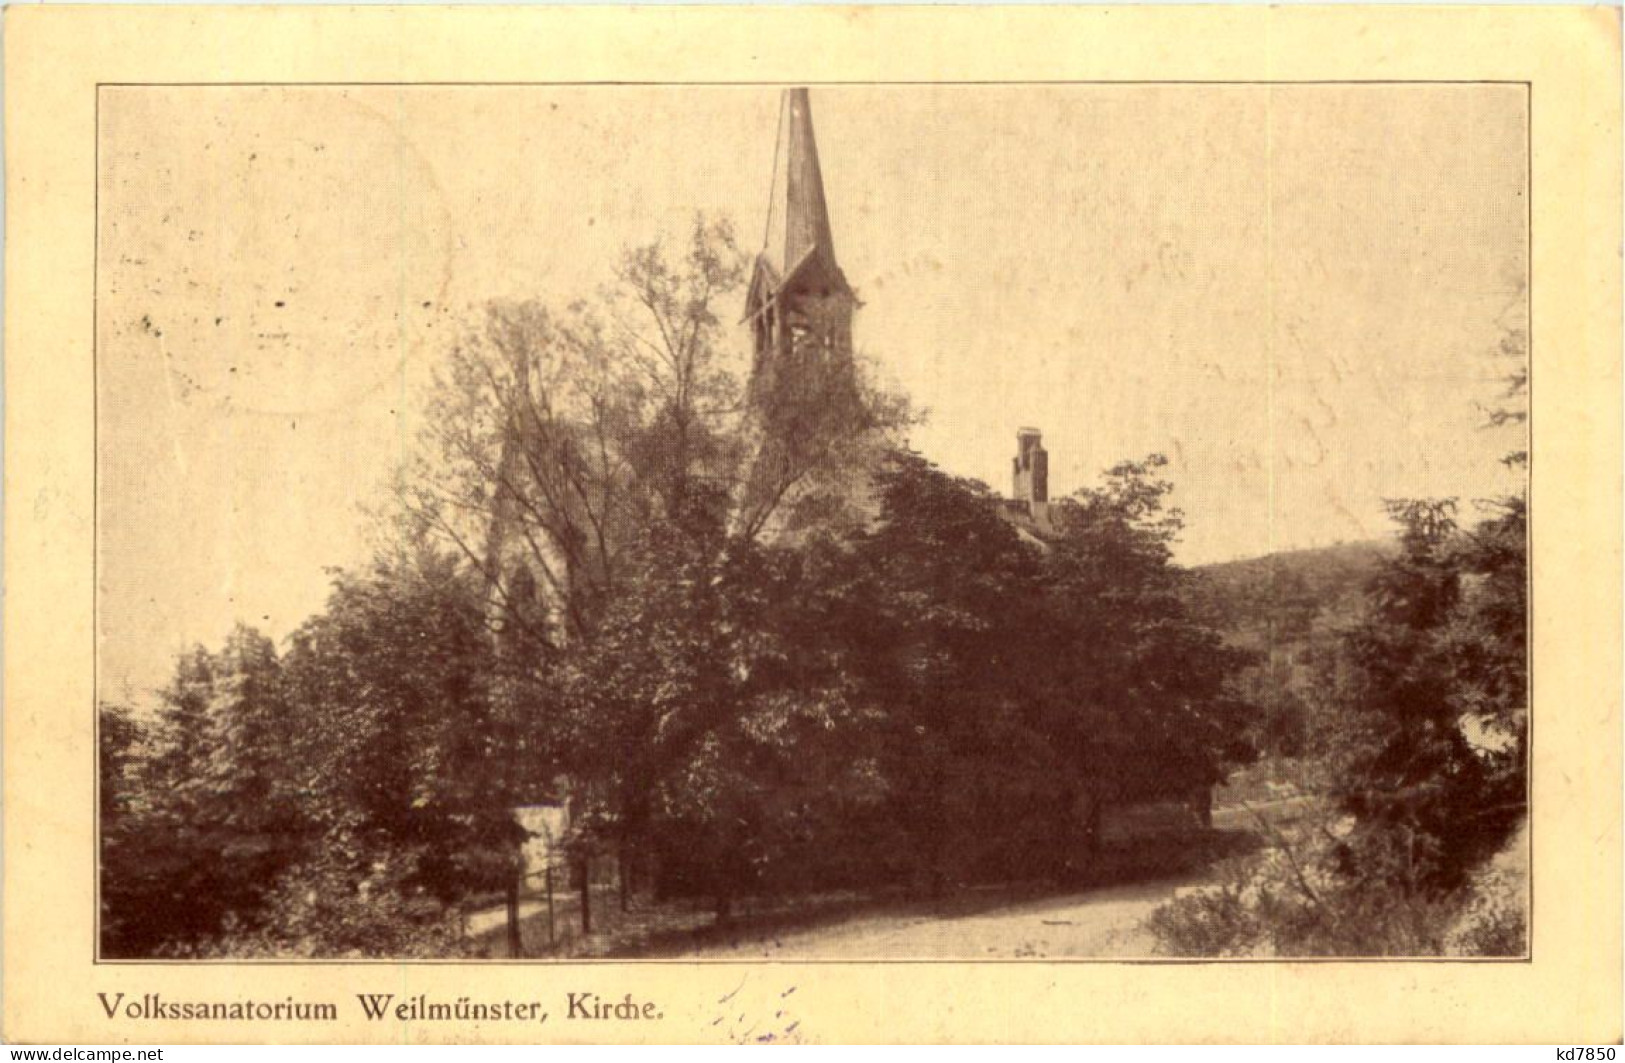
column 552, row 939
column 516, row 943
column 1204, row 806
column 1097, row 817
column 586, row 895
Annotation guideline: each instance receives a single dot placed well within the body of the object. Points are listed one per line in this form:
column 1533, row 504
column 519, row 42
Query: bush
column 1494, row 922
column 325, row 908
column 1258, row 919
column 1216, row 921
column 1294, row 899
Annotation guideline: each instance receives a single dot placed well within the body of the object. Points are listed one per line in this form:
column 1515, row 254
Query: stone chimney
column 1029, row 481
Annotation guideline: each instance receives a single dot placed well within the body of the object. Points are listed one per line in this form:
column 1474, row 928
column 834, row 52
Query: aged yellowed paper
column 845, row 524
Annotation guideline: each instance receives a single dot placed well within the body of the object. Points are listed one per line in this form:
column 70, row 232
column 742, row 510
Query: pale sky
column 1295, row 292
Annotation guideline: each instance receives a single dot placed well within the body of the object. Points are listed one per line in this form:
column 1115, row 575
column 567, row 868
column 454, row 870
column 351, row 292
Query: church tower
column 803, row 399
column 799, row 306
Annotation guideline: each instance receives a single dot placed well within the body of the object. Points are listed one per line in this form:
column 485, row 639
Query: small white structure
column 546, row 825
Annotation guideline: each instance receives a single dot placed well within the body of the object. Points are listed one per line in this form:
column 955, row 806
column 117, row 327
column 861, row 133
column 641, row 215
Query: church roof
column 798, row 231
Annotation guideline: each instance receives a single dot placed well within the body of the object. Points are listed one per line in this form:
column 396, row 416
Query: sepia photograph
column 741, row 522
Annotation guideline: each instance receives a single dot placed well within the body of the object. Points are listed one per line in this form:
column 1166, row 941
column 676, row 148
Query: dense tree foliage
column 1430, row 740
column 849, row 669
column 1416, row 735
column 1420, row 747
column 370, row 747
column 1289, row 610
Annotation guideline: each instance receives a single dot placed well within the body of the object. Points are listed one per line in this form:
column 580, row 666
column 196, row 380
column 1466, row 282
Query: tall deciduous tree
column 940, row 637
column 558, row 437
column 1140, row 697
column 403, row 748
column 607, row 450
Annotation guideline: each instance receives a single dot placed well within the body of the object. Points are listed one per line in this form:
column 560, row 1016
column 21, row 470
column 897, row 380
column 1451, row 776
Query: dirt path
column 1099, row 923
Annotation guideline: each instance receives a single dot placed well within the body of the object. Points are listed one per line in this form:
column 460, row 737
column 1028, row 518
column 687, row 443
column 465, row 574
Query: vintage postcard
column 812, row 525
